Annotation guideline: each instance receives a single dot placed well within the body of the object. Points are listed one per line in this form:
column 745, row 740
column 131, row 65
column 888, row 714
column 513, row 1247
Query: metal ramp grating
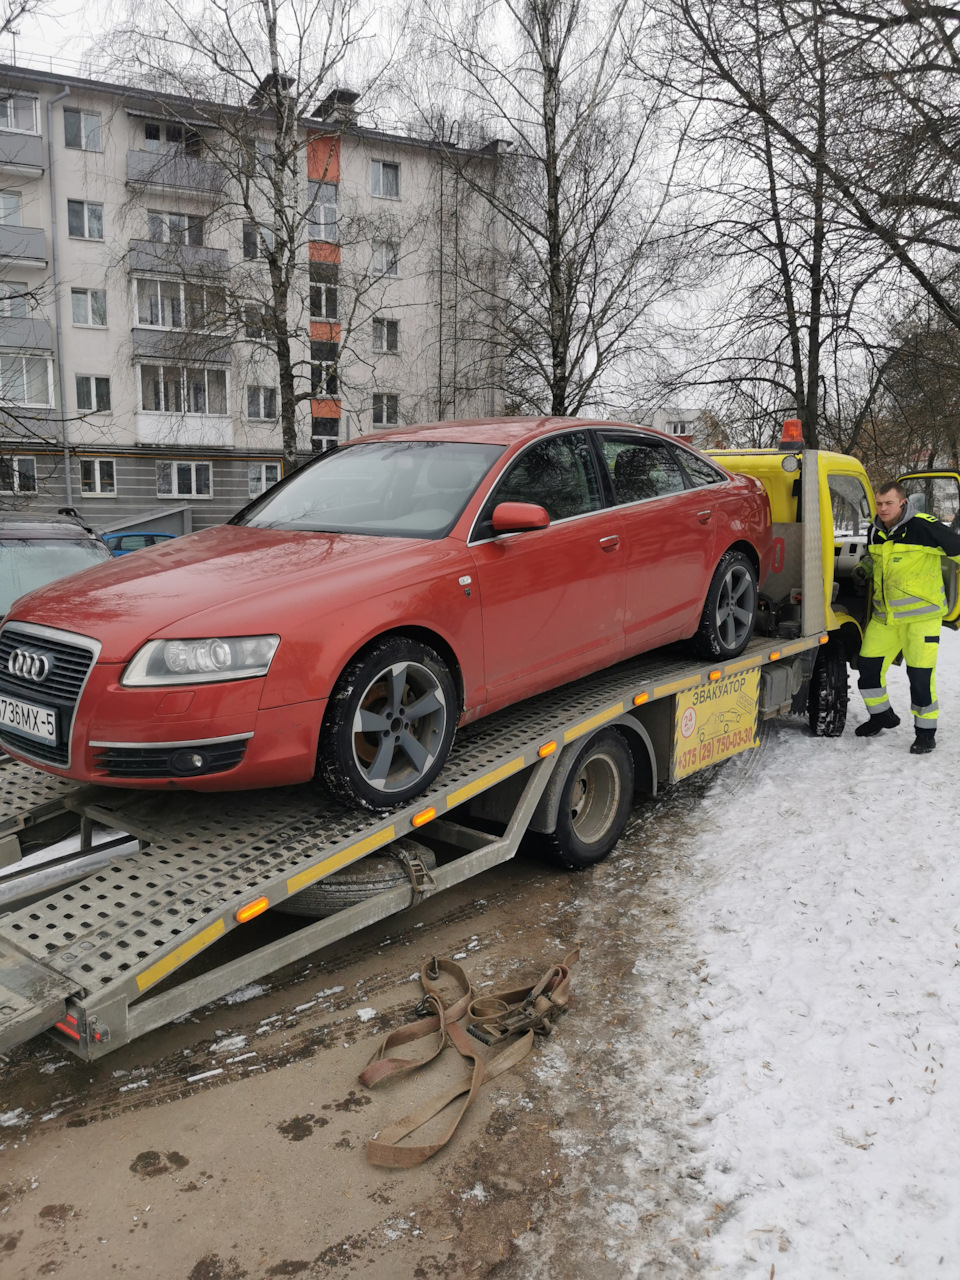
column 208, row 853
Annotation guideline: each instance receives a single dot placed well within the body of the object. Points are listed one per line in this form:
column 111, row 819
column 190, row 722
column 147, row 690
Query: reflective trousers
column 919, row 643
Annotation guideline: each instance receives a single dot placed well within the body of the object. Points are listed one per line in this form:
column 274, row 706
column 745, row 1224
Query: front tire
column 730, row 610
column 389, row 724
column 829, row 693
column 595, row 802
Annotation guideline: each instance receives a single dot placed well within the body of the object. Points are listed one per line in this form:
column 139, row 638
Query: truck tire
column 373, row 874
column 730, row 609
column 372, row 750
column 827, row 703
column 595, row 802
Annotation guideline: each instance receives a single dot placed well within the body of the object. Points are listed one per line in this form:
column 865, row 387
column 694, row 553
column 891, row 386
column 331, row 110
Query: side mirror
column 518, row 517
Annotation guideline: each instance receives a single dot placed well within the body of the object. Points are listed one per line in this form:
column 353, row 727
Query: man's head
column 891, row 500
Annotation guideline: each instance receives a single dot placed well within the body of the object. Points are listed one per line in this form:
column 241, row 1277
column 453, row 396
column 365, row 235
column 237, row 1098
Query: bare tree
column 579, row 194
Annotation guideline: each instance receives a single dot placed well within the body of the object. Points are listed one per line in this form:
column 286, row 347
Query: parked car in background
column 36, row 551
column 121, row 544
column 349, row 619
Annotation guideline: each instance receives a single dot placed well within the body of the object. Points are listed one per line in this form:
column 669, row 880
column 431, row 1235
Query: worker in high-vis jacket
column 905, row 560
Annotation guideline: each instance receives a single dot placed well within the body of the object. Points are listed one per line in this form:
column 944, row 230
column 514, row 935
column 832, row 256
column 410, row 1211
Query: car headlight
column 201, row 661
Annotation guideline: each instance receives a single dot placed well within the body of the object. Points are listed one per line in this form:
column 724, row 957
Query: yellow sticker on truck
column 715, row 721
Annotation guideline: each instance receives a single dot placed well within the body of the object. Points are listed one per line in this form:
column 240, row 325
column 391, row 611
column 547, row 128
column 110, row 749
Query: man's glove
column 863, row 571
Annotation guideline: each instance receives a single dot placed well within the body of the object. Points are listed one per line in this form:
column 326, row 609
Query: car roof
column 503, row 431
column 20, row 527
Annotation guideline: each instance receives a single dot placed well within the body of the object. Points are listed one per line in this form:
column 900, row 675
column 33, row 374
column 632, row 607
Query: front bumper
column 119, row 734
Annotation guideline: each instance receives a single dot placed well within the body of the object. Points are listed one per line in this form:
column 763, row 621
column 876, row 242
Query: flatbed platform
column 84, row 960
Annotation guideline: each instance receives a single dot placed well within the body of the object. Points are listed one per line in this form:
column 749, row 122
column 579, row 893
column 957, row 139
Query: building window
column 384, row 258
column 93, row 394
column 85, row 220
column 178, row 304
column 89, row 307
column 676, row 428
column 81, row 130
column 322, row 214
column 257, row 240
column 323, row 369
column 324, row 434
column 174, row 228
column 13, row 299
column 98, row 477
column 160, row 136
column 183, row 480
column 386, row 335
column 11, row 206
column 262, row 403
column 257, row 320
column 261, row 475
column 172, row 389
column 19, row 113
column 323, row 290
column 18, row 475
column 384, row 179
column 25, row 380
column 386, row 409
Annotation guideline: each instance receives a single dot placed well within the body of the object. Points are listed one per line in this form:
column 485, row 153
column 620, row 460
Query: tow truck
column 136, row 922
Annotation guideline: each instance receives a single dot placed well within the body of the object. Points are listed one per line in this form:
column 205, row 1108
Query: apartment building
column 138, row 381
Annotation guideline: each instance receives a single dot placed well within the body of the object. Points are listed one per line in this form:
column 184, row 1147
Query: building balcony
column 173, row 171
column 25, row 334
column 177, row 259
column 21, row 154
column 180, row 346
column 23, row 246
column 180, row 431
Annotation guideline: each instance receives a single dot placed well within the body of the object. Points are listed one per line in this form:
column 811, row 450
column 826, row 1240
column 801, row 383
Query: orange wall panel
column 321, row 251
column 324, row 331
column 325, row 408
column 323, row 158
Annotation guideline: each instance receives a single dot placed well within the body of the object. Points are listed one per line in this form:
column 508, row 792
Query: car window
column 699, row 470
column 640, row 468
column 28, row 563
column 850, row 504
column 135, row 542
column 557, row 474
column 398, row 488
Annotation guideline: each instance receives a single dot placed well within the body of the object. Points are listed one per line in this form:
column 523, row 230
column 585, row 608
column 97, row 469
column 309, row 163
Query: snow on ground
column 830, row 933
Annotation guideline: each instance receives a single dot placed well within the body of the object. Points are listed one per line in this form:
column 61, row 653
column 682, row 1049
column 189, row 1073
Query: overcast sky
column 64, row 31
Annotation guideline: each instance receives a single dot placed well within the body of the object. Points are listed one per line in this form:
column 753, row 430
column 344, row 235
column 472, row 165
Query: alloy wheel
column 399, row 726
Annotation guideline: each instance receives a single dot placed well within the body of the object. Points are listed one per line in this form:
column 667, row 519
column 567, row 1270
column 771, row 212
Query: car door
column 669, row 536
column 552, row 599
column 937, row 493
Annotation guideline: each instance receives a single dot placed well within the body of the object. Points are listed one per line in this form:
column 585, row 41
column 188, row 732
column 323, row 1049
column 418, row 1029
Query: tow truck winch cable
column 489, row 1020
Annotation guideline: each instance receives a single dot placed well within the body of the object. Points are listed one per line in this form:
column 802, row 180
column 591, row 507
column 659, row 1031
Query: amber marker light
column 425, row 815
column 714, row 675
column 547, row 749
column 252, row 909
column 640, row 698
column 775, row 655
column 824, row 639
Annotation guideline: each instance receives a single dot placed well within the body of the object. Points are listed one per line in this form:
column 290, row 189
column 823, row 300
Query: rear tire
column 389, row 724
column 730, row 610
column 373, row 874
column 595, row 802
column 829, row 693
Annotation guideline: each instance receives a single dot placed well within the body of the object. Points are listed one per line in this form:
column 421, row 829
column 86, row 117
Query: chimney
column 338, row 107
column 262, row 96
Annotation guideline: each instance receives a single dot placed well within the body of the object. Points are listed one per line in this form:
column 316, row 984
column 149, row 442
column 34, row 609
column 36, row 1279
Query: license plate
column 36, row 722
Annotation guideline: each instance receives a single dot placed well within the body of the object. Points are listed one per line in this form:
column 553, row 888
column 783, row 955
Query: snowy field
column 832, row 947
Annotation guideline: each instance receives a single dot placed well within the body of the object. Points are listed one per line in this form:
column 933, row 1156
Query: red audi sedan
column 348, row 620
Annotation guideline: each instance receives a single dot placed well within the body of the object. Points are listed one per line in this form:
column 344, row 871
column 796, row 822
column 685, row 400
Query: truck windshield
column 400, row 489
column 28, row 563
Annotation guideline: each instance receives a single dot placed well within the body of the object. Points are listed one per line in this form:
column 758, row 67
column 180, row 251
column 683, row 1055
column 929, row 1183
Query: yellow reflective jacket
column 908, row 568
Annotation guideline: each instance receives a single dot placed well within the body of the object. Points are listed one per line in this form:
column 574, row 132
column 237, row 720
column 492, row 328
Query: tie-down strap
column 491, row 1019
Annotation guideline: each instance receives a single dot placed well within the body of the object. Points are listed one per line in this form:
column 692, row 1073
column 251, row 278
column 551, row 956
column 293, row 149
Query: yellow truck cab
column 841, row 508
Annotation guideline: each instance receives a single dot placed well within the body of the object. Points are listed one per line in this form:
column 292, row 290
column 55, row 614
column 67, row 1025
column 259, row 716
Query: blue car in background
column 121, row 544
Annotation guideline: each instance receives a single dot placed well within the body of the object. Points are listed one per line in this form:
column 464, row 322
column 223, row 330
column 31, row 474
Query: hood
column 127, row 600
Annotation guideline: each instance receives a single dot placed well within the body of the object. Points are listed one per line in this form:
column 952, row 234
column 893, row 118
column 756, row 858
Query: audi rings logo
column 29, row 665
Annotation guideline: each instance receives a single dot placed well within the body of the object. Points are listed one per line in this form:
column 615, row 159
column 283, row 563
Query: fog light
column 188, row 762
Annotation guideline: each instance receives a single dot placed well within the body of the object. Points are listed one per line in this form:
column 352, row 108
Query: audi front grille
column 68, row 663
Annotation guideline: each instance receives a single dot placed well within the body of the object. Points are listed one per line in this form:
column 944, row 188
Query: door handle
column 704, row 516
column 611, row 542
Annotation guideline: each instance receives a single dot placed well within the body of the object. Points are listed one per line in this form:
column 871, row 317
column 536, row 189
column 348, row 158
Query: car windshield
column 28, row 563
column 401, row 489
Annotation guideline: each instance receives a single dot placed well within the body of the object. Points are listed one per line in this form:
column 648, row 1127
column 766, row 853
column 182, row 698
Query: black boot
column 882, row 720
column 925, row 741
